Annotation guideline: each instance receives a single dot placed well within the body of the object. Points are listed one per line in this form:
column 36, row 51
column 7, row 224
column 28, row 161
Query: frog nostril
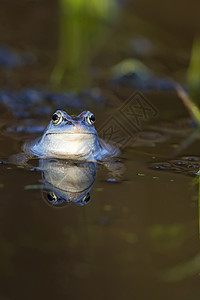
column 68, row 123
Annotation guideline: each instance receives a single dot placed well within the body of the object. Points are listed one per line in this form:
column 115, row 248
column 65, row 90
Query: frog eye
column 52, row 197
column 56, row 118
column 91, row 119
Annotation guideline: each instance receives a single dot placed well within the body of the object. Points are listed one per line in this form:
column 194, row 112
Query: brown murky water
column 123, row 243
column 138, row 236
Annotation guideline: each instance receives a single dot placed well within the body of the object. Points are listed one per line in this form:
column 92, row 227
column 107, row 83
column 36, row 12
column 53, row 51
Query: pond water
column 138, row 234
column 129, row 240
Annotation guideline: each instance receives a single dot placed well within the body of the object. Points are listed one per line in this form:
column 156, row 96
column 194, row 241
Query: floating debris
column 107, row 207
column 188, row 165
column 99, row 189
column 112, row 180
column 32, row 187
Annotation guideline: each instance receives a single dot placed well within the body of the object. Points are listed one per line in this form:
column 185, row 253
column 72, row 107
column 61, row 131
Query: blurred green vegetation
column 84, row 25
column 131, row 65
column 193, row 74
column 164, row 238
column 192, row 99
column 182, row 270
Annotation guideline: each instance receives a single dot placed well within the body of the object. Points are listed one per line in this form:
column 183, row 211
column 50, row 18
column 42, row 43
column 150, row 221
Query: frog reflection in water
column 66, row 182
column 70, row 137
